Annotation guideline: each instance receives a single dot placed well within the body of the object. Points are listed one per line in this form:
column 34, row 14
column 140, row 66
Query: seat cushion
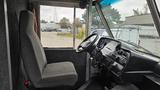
column 58, row 74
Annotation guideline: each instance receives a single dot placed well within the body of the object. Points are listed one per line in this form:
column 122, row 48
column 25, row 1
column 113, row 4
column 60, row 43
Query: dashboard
column 114, row 56
column 120, row 60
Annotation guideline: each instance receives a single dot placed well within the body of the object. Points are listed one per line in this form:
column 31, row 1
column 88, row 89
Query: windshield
column 131, row 21
column 158, row 4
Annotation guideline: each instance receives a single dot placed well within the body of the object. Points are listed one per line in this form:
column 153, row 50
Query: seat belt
column 27, row 81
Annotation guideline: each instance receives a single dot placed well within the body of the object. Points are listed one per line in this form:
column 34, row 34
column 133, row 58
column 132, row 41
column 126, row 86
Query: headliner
column 63, row 3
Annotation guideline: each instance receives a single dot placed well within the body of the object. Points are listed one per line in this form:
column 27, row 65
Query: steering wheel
column 87, row 43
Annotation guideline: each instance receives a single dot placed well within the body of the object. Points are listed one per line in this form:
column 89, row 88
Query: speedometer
column 102, row 42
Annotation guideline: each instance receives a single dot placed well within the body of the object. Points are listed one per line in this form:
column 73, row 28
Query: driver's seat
column 38, row 71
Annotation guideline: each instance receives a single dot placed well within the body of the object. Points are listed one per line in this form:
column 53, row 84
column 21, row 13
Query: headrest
column 26, row 20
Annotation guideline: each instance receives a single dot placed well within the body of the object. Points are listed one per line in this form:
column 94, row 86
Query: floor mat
column 92, row 85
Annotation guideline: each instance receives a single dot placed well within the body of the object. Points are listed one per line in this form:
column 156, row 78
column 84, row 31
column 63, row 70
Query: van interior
column 79, row 45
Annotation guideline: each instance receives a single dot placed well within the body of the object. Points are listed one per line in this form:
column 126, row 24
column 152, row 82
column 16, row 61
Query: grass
column 65, row 34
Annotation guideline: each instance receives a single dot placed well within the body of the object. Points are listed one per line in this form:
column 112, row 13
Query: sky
column 158, row 4
column 125, row 8
column 51, row 13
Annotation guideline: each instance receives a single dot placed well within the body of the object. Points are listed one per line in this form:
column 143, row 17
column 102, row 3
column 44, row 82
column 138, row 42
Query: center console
column 116, row 58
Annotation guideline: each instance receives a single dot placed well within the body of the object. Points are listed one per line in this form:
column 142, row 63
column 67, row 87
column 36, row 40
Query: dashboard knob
column 120, row 52
column 117, row 58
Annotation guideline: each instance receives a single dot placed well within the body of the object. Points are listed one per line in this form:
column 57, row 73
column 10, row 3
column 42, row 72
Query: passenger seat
column 39, row 72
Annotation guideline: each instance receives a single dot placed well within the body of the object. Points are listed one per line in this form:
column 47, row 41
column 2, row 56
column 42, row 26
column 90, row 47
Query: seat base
column 58, row 74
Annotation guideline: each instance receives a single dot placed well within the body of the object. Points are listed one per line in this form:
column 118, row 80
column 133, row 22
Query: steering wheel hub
column 87, row 43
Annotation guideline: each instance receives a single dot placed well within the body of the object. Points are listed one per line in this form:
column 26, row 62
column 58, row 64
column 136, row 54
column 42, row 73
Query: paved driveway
column 51, row 39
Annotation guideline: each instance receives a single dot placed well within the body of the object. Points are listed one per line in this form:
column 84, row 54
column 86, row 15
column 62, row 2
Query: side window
column 80, row 26
column 57, row 30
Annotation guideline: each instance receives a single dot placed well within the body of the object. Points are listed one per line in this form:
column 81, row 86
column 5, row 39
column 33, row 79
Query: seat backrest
column 32, row 52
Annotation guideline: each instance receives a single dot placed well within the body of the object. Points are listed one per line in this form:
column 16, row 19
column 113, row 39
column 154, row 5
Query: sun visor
column 63, row 3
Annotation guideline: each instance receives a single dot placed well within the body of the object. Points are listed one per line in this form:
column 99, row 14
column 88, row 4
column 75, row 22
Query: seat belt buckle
column 27, row 83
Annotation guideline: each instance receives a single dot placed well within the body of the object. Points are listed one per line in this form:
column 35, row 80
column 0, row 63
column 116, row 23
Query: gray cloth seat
column 57, row 72
column 38, row 71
